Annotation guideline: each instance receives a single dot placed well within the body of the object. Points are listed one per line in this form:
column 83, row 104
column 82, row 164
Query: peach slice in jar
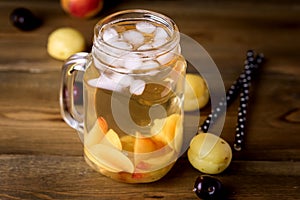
column 165, row 130
column 154, row 161
column 145, row 145
column 145, row 149
column 95, row 135
column 127, row 142
column 103, row 124
column 140, row 145
column 110, row 158
column 100, row 134
column 178, row 138
column 149, row 154
column 111, row 138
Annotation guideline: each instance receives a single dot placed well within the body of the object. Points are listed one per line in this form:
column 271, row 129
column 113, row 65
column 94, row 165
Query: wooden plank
column 54, row 177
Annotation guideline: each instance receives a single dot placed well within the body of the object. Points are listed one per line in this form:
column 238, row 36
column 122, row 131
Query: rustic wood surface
column 41, row 157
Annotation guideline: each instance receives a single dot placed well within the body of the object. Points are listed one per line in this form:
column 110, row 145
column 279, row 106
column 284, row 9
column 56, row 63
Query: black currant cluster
column 251, row 65
column 239, row 87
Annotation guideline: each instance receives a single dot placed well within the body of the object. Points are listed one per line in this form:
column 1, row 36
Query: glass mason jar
column 131, row 121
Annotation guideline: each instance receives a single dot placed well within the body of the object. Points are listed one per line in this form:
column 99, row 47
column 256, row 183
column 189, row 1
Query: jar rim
column 138, row 14
column 107, row 54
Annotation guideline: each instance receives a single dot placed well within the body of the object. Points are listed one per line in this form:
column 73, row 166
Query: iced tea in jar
column 133, row 85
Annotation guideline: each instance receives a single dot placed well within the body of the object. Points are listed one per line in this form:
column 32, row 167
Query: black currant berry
column 78, row 93
column 24, row 19
column 208, row 187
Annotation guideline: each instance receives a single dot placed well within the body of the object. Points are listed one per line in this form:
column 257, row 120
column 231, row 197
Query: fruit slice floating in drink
column 99, row 134
column 112, row 139
column 109, row 158
column 94, row 136
column 169, row 131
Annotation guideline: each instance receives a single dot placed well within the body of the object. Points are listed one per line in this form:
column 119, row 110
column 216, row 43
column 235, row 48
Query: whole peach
column 82, row 8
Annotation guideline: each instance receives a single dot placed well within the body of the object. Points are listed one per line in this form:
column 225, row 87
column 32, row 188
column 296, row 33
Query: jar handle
column 73, row 67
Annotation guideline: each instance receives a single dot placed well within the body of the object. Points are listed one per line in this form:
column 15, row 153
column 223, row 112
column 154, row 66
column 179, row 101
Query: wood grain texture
column 41, row 157
column 51, row 177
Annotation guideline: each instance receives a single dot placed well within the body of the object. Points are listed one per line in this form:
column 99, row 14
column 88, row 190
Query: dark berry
column 24, row 19
column 208, row 187
column 78, row 93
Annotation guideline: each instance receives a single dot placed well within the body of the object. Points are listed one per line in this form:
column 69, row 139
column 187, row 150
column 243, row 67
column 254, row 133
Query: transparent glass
column 133, row 85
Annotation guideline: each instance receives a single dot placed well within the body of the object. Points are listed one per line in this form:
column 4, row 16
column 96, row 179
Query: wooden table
column 41, row 157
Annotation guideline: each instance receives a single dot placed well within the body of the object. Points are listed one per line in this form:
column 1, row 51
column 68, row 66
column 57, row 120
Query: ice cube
column 107, row 60
column 137, row 87
column 110, row 34
column 165, row 58
column 146, row 46
column 145, row 27
column 134, row 37
column 132, row 61
column 112, row 55
column 160, row 33
column 122, row 45
column 105, row 83
column 121, row 79
column 159, row 42
column 150, row 64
